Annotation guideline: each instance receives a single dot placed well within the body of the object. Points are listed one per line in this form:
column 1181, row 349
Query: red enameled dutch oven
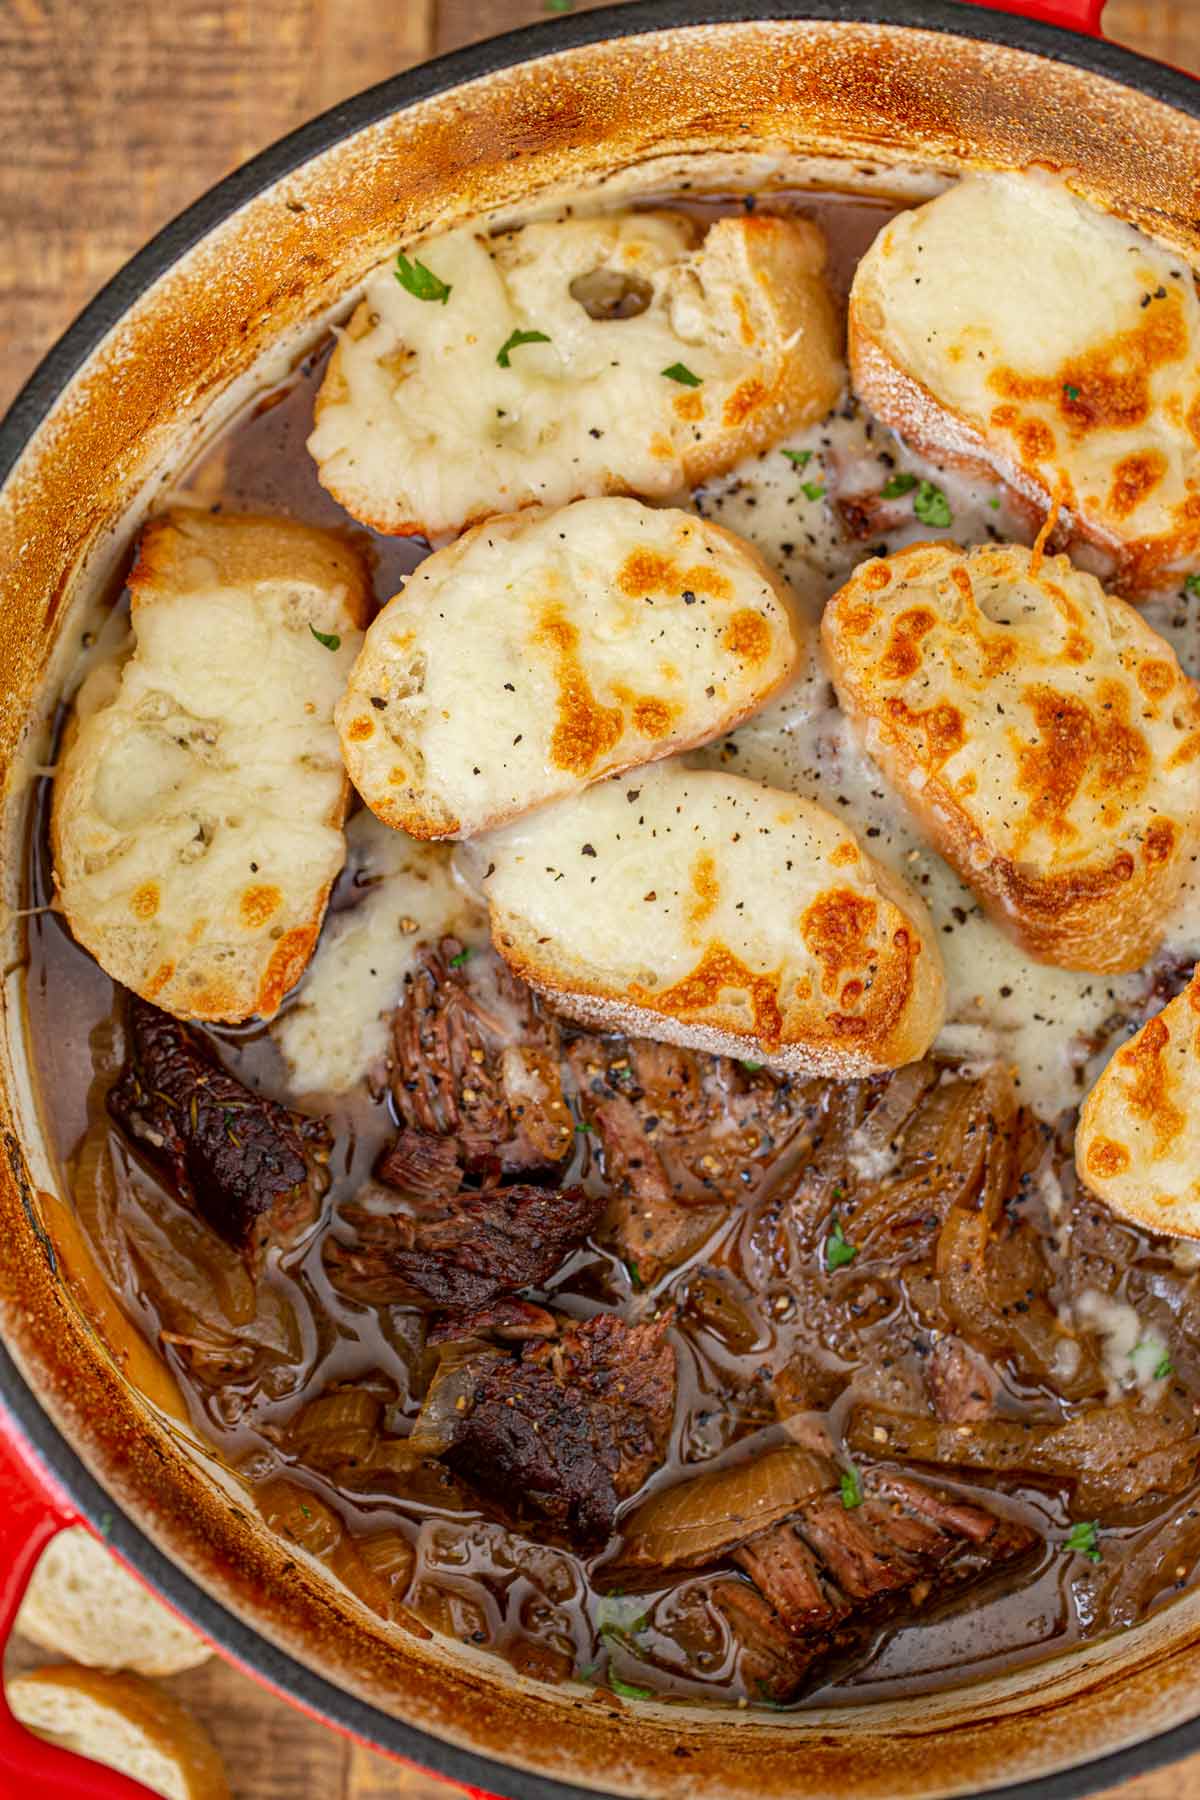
column 151, row 363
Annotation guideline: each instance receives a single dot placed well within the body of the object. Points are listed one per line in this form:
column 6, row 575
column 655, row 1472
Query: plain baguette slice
column 430, row 418
column 198, row 806
column 1044, row 737
column 550, row 648
column 1137, row 1146
column 125, row 1722
column 1010, row 327
column 84, row 1604
column 705, row 910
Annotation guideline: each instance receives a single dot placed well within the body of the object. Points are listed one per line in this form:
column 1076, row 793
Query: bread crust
column 1068, row 423
column 744, row 307
column 106, row 1716
column 721, row 916
column 546, row 650
column 178, row 898
column 1137, row 1145
column 1042, row 734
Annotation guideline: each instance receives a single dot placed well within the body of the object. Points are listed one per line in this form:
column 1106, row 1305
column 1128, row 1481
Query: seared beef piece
column 681, row 1135
column 476, row 1248
column 962, row 1385
column 476, row 1063
column 509, row 1320
column 570, row 1428
column 418, row 1163
column 251, row 1169
column 826, row 1577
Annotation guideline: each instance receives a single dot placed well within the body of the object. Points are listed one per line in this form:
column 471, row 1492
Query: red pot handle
column 33, row 1509
column 1076, row 15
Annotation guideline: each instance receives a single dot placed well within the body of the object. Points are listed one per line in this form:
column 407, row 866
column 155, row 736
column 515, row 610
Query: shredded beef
column 682, row 1136
column 825, row 1579
column 511, row 1320
column 476, row 1248
column 571, row 1427
column 249, row 1168
column 475, row 1066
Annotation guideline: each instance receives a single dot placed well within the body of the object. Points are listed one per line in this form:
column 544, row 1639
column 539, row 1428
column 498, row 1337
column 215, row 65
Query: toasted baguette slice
column 1043, row 735
column 84, row 1604
column 1137, row 1145
column 1008, row 325
column 430, row 417
column 200, row 794
column 125, row 1722
column 545, row 650
column 705, row 910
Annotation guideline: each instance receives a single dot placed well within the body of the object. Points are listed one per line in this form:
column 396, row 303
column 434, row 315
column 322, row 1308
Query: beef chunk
column 509, row 1320
column 419, row 1163
column 565, row 1431
column 476, row 1065
column 249, row 1168
column 476, row 1248
column 962, row 1384
column 682, row 1136
column 823, row 1580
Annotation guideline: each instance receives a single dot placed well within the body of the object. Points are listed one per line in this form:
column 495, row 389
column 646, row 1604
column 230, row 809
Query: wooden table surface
column 114, row 114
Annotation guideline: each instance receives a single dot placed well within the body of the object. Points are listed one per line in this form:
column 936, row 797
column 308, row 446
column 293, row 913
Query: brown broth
column 541, row 1605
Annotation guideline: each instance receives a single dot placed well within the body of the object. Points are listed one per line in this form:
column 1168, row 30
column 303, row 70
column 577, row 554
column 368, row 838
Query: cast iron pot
column 146, row 369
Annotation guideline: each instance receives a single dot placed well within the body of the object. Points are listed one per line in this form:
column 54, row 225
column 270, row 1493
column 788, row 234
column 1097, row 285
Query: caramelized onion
column 611, row 293
column 1112, row 1456
column 697, row 1521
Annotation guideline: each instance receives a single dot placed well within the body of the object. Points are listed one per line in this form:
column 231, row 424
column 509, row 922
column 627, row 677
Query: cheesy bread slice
column 1043, row 735
column 704, row 910
column 1011, row 326
column 199, row 799
column 1138, row 1142
column 633, row 353
column 547, row 649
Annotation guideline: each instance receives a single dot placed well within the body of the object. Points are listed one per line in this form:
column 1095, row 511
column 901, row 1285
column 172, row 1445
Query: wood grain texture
column 112, row 118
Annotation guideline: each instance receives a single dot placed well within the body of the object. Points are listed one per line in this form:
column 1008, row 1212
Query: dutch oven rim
column 241, row 1642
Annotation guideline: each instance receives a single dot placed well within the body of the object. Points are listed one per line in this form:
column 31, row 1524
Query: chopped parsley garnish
column 419, row 281
column 838, row 1252
column 456, row 962
column 851, row 1486
column 1163, row 1369
column 902, row 482
column 514, row 340
column 559, row 5
column 994, row 503
column 1072, row 393
column 627, row 1689
column 635, row 1279
column 330, row 639
column 750, row 1067
column 812, row 490
column 104, row 1524
column 582, row 1125
column 1192, row 584
column 931, row 505
column 681, row 373
column 1084, row 1540
column 800, row 458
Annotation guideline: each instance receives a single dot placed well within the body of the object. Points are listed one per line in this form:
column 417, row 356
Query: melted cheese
column 1130, row 1355
column 431, row 416
column 1042, row 1021
column 543, row 651
column 1072, row 366
column 335, row 1030
column 709, row 911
